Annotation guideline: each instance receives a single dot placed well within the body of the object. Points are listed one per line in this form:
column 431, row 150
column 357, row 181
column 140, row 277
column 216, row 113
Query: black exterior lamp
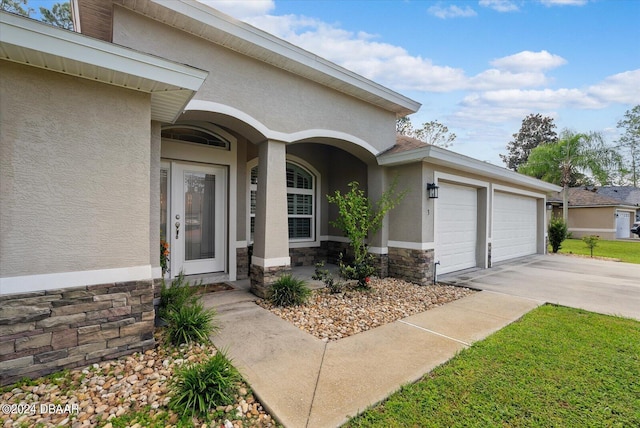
column 432, row 190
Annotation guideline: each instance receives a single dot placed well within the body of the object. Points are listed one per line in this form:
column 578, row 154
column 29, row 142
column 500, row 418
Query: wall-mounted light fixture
column 432, row 190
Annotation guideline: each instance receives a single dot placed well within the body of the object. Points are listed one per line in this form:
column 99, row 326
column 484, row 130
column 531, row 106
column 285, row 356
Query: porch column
column 271, row 235
column 376, row 185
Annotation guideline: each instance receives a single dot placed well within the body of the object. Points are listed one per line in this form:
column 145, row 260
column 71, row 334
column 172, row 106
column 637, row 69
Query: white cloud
column 549, row 3
column 505, row 92
column 496, row 106
column 452, row 11
column 621, row 88
column 241, row 9
column 527, row 61
column 500, row 5
column 499, row 79
column 360, row 52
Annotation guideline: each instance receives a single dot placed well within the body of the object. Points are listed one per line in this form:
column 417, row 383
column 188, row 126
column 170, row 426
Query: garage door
column 456, row 227
column 623, row 224
column 515, row 225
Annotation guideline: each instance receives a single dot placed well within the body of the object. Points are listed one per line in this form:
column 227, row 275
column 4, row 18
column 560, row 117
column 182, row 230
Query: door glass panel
column 164, row 192
column 199, row 210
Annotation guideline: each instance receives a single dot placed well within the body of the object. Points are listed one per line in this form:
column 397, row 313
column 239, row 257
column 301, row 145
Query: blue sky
column 477, row 66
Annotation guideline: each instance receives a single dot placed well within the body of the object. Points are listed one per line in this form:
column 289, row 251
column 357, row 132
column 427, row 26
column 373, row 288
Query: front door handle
column 177, row 229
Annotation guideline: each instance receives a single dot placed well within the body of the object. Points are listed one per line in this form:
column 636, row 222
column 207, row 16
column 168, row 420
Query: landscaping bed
column 335, row 316
column 125, row 392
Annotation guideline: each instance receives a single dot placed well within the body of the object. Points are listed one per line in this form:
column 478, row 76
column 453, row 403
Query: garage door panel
column 456, row 228
column 515, row 226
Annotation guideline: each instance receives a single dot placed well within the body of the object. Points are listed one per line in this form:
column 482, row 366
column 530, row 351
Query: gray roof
column 627, row 194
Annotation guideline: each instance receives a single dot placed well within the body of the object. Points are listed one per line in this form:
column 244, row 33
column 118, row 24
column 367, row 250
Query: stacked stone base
column 47, row 331
column 262, row 278
column 242, row 263
column 381, row 263
column 411, row 265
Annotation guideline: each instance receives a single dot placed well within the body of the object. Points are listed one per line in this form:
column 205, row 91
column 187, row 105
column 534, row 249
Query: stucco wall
column 154, row 208
column 278, row 99
column 592, row 221
column 74, row 174
column 406, row 221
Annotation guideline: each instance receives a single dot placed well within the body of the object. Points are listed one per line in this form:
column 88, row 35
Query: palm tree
column 575, row 159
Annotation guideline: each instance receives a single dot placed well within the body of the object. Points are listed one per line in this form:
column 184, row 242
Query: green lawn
column 556, row 367
column 626, row 251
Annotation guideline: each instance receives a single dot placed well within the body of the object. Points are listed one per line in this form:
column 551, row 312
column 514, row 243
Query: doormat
column 213, row 288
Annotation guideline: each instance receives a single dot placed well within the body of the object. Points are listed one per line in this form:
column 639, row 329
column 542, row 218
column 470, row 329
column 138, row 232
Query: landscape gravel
column 106, row 394
column 335, row 316
column 134, row 391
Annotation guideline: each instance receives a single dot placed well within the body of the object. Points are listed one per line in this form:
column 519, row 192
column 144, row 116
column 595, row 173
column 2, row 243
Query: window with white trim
column 300, row 202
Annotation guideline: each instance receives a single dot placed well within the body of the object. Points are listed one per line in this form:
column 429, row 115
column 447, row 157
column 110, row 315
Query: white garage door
column 623, row 224
column 456, row 227
column 515, row 225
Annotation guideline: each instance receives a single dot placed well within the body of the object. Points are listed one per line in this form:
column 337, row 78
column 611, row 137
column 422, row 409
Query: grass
column 556, row 366
column 625, row 251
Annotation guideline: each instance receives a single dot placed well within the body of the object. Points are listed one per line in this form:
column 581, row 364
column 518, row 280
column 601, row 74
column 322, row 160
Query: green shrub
column 557, row 233
column 190, row 323
column 334, row 285
column 179, row 294
column 289, row 291
column 591, row 241
column 199, row 388
column 360, row 271
column 358, row 218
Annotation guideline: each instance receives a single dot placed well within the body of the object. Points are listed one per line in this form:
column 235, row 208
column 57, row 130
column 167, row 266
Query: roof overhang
column 439, row 156
column 210, row 24
column 32, row 43
column 620, row 206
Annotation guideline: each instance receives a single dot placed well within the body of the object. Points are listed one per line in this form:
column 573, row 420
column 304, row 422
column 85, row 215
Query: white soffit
column 439, row 156
column 32, row 43
column 210, row 24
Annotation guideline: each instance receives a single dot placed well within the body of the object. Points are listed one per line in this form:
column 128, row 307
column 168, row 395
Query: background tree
column 583, row 156
column 630, row 141
column 16, row 6
column 58, row 16
column 535, row 131
column 433, row 132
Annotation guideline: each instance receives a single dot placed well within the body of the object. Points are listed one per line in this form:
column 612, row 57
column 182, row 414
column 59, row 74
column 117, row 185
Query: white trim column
column 271, row 236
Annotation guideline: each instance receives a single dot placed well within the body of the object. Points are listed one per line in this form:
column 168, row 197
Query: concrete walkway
column 306, row 382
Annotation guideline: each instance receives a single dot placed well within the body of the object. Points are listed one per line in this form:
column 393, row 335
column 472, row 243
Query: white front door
column 196, row 223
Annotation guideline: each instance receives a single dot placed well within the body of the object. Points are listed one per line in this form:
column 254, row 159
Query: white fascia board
column 439, row 156
column 619, row 206
column 245, row 34
column 32, row 43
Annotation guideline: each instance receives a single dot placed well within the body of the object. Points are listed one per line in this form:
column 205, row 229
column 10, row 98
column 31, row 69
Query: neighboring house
column 171, row 120
column 630, row 195
column 593, row 213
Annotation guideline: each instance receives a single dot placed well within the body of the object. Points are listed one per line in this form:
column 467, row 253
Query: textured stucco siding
column 278, row 99
column 74, row 171
column 406, row 221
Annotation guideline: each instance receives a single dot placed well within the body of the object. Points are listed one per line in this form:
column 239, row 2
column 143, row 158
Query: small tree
column 591, row 241
column 557, row 233
column 357, row 218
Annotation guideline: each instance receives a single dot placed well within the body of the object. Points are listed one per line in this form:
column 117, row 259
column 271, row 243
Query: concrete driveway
column 596, row 285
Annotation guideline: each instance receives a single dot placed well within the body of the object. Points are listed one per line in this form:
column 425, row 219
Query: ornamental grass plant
column 200, row 388
column 289, row 291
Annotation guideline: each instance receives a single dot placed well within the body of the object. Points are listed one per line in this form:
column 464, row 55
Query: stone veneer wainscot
column 47, row 331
